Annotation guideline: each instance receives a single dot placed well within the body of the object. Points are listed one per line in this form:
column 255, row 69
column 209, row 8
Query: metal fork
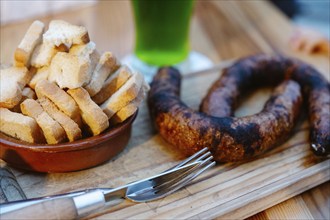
column 80, row 203
column 167, row 184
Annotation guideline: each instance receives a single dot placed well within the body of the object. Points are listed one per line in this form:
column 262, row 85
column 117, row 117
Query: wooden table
column 277, row 185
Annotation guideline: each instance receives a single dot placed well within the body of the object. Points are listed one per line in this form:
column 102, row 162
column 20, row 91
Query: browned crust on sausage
column 235, row 139
column 262, row 69
column 229, row 138
column 317, row 92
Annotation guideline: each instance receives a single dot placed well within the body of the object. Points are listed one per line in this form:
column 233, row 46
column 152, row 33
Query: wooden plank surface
column 221, row 30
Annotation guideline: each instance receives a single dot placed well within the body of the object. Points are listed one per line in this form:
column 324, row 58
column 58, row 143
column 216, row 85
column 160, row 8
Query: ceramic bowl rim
column 84, row 143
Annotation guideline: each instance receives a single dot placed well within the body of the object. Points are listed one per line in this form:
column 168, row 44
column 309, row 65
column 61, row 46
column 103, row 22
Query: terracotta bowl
column 70, row 156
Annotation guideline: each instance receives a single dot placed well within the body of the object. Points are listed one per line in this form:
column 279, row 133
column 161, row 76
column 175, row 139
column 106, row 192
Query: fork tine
column 208, row 165
column 174, row 175
column 164, row 181
column 170, row 186
column 204, row 156
column 204, row 152
column 159, row 179
column 183, row 163
column 174, row 181
column 189, row 159
column 173, row 187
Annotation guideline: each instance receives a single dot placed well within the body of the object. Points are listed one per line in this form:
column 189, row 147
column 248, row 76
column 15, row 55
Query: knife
column 85, row 202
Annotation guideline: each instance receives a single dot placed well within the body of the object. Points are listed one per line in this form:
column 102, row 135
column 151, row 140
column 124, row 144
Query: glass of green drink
column 162, row 37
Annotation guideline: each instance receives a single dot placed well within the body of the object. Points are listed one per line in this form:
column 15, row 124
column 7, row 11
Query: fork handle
column 58, row 208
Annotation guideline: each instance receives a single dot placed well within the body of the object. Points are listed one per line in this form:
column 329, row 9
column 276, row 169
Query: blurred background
column 17, row 10
column 307, row 13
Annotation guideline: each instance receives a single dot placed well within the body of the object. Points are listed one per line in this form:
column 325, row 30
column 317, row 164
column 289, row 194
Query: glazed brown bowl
column 70, row 156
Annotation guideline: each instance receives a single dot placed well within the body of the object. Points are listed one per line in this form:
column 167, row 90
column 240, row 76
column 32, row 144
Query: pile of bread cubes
column 61, row 88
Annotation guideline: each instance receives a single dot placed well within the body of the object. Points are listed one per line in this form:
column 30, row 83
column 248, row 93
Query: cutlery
column 78, row 204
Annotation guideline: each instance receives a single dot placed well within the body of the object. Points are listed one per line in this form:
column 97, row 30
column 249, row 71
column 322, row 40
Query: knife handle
column 58, row 208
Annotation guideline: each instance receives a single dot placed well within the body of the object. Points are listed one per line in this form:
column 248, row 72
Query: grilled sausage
column 234, row 139
column 262, row 69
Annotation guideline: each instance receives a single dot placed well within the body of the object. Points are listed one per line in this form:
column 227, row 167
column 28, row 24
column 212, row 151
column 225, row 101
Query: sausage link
column 250, row 72
column 228, row 138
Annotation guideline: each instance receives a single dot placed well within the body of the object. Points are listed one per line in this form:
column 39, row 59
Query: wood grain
column 313, row 204
column 222, row 30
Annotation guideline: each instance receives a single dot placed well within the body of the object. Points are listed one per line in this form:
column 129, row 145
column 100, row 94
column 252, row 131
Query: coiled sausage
column 233, row 139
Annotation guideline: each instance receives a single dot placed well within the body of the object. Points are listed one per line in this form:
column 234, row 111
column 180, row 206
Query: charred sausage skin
column 230, row 138
column 262, row 69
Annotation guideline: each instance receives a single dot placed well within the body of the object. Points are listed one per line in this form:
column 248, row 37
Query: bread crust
column 112, row 84
column 43, row 54
column 27, row 93
column 20, row 126
column 84, row 39
column 69, row 71
column 13, row 80
column 131, row 107
column 30, row 40
column 105, row 67
column 91, row 113
column 9, row 97
column 71, row 128
column 63, row 69
column 60, row 98
column 51, row 129
column 123, row 95
column 41, row 74
column 20, row 57
column 61, row 32
column 86, row 53
column 21, row 75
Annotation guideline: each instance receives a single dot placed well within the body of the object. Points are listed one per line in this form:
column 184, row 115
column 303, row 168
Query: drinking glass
column 162, row 37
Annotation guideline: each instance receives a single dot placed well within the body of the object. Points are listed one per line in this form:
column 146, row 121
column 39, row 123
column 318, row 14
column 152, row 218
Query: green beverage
column 162, row 30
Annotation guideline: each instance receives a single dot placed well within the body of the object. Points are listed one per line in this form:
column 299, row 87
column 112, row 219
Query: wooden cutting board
column 227, row 190
column 222, row 30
